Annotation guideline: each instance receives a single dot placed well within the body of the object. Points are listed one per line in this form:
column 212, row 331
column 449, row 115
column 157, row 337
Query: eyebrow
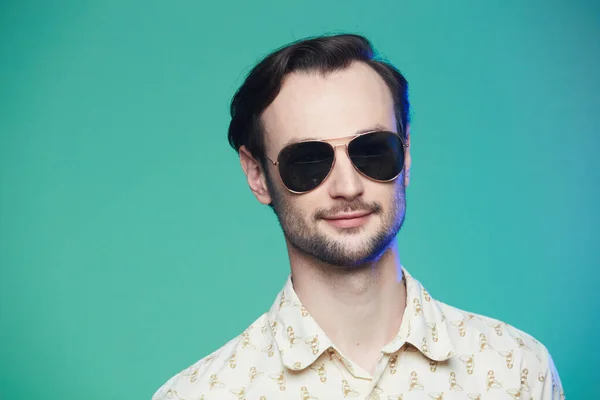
column 376, row 127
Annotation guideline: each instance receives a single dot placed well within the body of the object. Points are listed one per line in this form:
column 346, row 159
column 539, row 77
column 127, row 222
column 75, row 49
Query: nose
column 344, row 182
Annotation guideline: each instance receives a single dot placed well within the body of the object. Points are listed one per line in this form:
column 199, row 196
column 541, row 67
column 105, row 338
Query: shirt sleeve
column 548, row 385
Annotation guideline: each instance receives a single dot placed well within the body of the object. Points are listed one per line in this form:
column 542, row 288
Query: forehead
column 321, row 106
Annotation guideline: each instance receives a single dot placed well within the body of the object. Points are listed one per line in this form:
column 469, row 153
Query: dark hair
column 323, row 54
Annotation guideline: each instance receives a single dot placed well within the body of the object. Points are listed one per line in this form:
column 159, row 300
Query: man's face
column 312, row 105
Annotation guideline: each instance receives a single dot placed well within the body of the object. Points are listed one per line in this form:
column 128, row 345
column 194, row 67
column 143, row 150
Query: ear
column 407, row 158
column 255, row 176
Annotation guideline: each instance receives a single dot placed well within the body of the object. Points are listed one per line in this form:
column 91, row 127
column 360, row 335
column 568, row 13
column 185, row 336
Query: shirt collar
column 301, row 340
column 423, row 324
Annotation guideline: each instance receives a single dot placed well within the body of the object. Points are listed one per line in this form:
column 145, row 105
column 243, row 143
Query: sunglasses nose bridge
column 345, row 180
column 335, row 146
column 347, row 163
column 345, row 151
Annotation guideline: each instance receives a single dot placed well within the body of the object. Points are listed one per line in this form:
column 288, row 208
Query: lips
column 348, row 220
column 352, row 215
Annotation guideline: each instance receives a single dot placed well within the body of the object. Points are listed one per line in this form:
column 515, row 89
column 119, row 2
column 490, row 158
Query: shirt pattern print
column 440, row 353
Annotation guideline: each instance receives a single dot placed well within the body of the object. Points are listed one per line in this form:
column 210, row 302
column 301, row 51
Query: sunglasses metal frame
column 334, row 147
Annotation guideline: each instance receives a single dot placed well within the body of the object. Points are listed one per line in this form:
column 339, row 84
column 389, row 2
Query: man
column 322, row 131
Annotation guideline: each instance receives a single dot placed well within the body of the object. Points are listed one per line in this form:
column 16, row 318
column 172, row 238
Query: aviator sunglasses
column 377, row 155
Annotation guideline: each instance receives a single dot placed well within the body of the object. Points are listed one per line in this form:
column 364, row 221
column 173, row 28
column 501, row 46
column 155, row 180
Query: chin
column 354, row 234
column 360, row 249
column 354, row 259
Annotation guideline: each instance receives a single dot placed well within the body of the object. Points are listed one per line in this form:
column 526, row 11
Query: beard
column 303, row 233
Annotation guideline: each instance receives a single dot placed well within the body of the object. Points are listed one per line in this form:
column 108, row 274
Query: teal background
column 131, row 246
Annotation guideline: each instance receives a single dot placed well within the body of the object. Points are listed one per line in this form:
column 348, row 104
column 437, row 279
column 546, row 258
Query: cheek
column 391, row 199
column 306, row 206
column 308, row 203
column 296, row 206
column 384, row 193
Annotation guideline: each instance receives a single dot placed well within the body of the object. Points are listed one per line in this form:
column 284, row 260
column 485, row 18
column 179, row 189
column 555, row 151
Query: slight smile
column 348, row 220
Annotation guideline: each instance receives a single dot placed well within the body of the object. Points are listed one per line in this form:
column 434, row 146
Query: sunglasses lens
column 378, row 155
column 303, row 166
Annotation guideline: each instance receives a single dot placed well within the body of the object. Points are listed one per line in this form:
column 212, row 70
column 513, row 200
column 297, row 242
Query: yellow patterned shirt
column 440, row 352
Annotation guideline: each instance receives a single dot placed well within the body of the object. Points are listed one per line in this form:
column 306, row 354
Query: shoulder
column 501, row 355
column 493, row 340
column 206, row 373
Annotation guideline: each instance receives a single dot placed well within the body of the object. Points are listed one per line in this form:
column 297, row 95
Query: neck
column 359, row 308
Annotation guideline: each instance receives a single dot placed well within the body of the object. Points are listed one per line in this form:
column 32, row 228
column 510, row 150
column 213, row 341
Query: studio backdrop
column 131, row 245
